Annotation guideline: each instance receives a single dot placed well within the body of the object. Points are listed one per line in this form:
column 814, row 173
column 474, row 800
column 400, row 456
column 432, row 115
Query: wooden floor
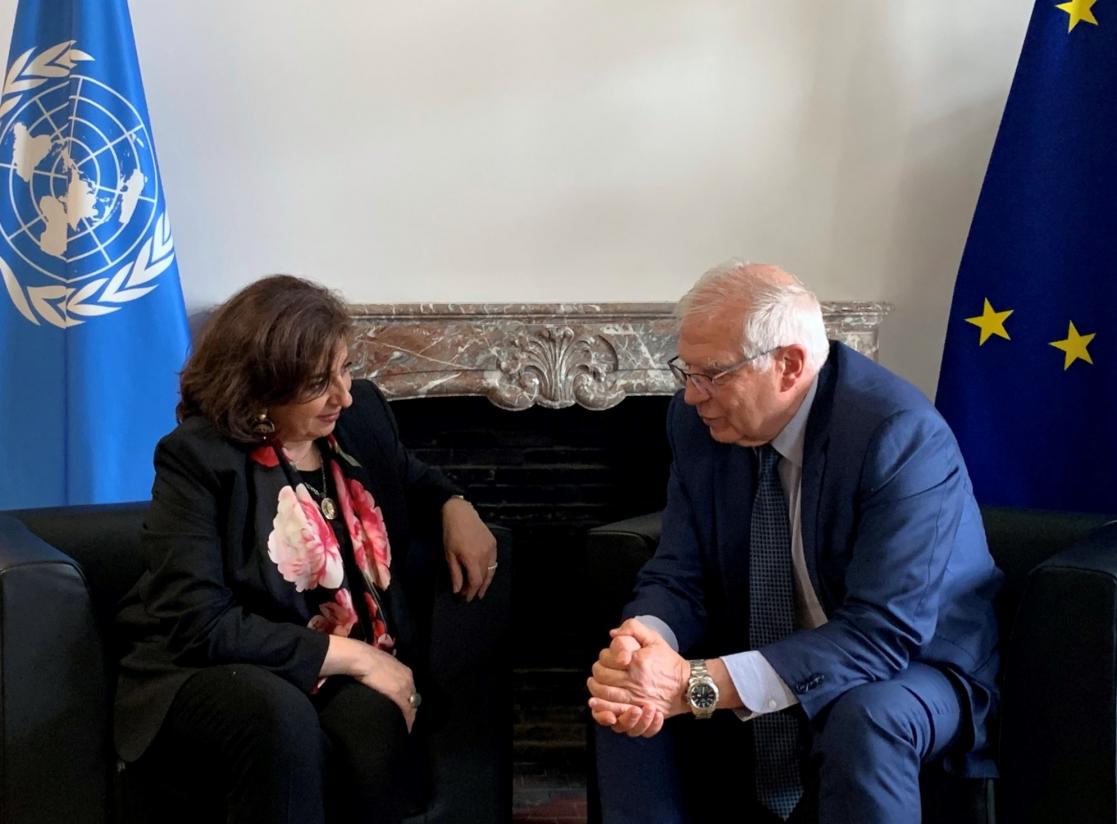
column 549, row 750
column 548, row 795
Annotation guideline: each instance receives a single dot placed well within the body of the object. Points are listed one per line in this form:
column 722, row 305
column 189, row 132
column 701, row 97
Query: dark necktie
column 771, row 617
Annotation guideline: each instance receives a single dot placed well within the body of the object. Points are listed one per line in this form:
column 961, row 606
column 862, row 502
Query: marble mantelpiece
column 554, row 355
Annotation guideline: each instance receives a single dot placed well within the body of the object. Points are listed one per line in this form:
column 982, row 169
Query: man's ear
column 792, row 363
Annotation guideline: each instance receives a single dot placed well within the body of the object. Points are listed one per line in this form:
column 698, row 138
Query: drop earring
column 264, row 427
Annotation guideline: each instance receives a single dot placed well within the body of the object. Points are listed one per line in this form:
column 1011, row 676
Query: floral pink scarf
column 306, row 552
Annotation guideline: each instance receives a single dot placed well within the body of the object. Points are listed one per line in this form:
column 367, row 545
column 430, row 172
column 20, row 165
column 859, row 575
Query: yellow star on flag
column 990, row 323
column 1074, row 345
column 1078, row 10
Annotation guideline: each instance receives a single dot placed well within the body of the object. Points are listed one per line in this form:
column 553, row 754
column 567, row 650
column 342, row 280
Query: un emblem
column 83, row 223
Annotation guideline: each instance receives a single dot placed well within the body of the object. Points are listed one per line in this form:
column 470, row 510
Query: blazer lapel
column 735, row 470
column 815, row 444
column 814, row 468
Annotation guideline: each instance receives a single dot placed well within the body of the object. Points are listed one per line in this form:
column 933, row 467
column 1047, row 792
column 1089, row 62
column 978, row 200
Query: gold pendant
column 329, row 508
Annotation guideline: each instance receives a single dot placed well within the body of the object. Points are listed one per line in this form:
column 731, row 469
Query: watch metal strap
column 699, row 672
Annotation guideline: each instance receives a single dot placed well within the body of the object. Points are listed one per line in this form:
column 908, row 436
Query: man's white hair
column 780, row 310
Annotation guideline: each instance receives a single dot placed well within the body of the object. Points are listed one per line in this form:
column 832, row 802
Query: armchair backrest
column 56, row 755
column 104, row 539
column 1021, row 539
column 1058, row 742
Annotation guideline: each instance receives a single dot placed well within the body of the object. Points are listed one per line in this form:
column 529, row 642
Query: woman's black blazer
column 210, row 594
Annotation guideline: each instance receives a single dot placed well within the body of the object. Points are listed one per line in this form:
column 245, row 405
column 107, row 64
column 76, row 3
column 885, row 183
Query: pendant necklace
column 325, row 502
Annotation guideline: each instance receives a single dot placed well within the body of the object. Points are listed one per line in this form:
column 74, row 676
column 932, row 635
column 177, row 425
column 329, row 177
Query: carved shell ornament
column 555, row 368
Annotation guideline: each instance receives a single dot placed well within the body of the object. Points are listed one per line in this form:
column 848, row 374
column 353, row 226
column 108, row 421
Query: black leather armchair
column 62, row 572
column 1058, row 616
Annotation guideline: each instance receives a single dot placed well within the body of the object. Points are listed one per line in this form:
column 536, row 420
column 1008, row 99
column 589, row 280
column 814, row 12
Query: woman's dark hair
column 273, row 342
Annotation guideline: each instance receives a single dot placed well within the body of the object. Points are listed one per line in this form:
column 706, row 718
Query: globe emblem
column 82, row 182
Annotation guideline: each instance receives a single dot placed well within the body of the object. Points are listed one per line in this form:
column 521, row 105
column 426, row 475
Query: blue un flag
column 92, row 326
column 1029, row 373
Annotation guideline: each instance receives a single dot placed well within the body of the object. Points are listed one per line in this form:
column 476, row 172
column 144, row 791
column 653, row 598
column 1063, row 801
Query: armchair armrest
column 614, row 554
column 467, row 638
column 55, row 747
column 472, row 666
column 1059, row 717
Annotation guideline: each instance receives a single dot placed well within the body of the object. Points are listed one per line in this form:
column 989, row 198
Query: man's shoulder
column 685, row 425
column 864, row 393
column 859, row 402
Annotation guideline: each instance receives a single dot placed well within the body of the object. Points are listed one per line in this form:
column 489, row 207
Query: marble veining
column 548, row 354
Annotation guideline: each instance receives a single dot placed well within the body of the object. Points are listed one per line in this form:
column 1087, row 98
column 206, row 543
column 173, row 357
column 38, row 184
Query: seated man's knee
column 638, row 779
column 870, row 718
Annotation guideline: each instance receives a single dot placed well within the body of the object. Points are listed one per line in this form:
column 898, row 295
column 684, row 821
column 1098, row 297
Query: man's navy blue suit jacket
column 893, row 540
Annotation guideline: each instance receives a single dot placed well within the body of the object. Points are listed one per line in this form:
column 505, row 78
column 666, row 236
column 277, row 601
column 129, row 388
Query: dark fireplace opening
column 549, row 475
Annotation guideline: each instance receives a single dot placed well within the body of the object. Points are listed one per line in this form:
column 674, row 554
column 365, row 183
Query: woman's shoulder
column 196, row 438
column 367, row 421
column 366, row 395
column 369, row 407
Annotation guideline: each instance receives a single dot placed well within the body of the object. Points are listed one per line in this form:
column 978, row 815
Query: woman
column 270, row 643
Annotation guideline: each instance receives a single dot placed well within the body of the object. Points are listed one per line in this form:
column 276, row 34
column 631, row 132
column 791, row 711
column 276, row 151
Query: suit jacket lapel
column 814, row 467
column 815, row 445
column 735, row 471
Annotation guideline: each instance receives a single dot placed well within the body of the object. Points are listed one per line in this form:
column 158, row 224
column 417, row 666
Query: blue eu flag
column 92, row 326
column 1029, row 373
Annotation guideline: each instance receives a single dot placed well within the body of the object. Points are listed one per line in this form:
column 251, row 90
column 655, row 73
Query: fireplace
column 548, row 355
column 552, row 416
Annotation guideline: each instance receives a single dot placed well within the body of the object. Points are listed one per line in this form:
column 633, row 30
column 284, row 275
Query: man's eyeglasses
column 704, row 382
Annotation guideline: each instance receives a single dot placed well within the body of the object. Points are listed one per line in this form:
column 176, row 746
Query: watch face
column 703, row 696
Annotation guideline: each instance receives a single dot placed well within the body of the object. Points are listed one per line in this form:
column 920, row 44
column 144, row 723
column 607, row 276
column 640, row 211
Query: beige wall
column 563, row 150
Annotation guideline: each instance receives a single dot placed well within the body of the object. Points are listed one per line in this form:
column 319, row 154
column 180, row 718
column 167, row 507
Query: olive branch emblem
column 66, row 306
column 29, row 71
column 61, row 305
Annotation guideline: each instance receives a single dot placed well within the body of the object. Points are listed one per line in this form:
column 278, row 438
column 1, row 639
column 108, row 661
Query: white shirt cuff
column 760, row 687
column 660, row 626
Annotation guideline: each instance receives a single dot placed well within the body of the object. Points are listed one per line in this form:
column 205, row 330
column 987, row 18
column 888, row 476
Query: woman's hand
column 389, row 677
column 470, row 549
column 375, row 669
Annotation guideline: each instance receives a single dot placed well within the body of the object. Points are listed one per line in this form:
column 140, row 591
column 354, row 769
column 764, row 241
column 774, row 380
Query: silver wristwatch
column 701, row 691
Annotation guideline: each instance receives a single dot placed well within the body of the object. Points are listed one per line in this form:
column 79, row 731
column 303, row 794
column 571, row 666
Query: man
column 822, row 563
